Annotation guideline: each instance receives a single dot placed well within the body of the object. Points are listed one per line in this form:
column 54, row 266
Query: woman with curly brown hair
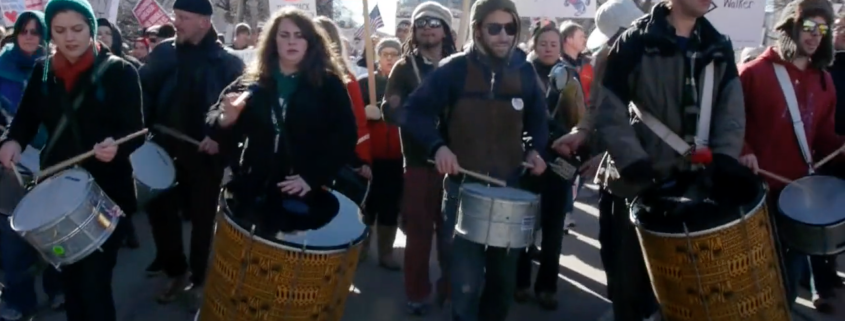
column 298, row 121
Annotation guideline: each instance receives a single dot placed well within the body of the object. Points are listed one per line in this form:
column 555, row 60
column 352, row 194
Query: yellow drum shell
column 278, row 283
column 715, row 280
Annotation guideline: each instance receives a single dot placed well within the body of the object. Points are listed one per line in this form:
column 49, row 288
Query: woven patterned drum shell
column 278, row 284
column 727, row 272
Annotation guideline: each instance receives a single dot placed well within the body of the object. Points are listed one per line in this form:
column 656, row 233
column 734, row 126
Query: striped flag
column 375, row 23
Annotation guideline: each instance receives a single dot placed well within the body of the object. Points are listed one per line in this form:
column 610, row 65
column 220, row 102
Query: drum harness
column 702, row 139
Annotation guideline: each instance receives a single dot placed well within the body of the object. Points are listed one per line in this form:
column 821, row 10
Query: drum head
column 30, row 161
column 52, row 199
column 498, row 193
column 153, row 166
column 814, row 200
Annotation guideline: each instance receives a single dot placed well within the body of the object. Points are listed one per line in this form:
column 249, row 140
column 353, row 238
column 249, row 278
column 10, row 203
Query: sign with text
column 741, row 20
column 11, row 9
column 35, row 4
column 567, row 9
column 309, row 6
column 149, row 13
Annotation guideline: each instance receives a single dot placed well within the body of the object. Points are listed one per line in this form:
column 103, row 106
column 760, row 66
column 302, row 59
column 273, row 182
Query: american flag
column 375, row 23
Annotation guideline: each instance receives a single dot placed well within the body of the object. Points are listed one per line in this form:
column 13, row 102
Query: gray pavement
column 379, row 295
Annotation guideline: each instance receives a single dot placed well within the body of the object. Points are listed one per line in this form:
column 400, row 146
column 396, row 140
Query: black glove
column 639, row 172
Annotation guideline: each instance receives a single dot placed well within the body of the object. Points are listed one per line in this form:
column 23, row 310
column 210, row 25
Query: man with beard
column 803, row 50
column 181, row 79
column 470, row 113
column 646, row 63
column 403, row 30
column 422, row 188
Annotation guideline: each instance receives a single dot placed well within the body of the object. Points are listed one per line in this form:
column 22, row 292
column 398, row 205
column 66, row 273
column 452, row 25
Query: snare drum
column 710, row 262
column 154, row 172
column 812, row 216
column 497, row 216
column 11, row 191
column 297, row 276
column 66, row 218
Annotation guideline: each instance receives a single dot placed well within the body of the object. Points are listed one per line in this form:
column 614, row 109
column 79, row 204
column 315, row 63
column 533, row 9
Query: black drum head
column 280, row 213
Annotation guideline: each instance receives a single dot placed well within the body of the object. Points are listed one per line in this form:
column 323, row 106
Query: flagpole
column 463, row 29
column 369, row 54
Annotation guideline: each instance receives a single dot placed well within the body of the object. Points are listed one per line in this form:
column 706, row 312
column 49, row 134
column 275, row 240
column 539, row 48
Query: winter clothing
column 482, row 8
column 646, row 50
column 788, row 29
column 388, row 43
column 611, row 17
column 431, row 9
column 384, row 136
column 80, row 6
column 458, row 88
column 201, row 7
column 114, row 111
column 117, row 42
column 363, row 150
column 16, row 68
column 403, row 80
column 837, row 73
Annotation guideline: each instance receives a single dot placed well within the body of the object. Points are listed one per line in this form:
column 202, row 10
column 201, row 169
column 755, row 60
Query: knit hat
column 750, row 53
column 200, row 7
column 610, row 18
column 80, row 6
column 789, row 29
column 24, row 19
column 541, row 24
column 482, row 8
column 388, row 43
column 431, row 9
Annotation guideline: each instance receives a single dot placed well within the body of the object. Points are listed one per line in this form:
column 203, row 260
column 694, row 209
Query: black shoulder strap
column 99, row 70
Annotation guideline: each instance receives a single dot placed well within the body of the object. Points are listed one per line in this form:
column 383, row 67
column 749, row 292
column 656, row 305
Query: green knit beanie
column 81, row 6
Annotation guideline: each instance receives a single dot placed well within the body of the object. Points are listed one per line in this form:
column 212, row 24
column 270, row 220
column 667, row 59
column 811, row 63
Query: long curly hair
column 319, row 58
column 333, row 32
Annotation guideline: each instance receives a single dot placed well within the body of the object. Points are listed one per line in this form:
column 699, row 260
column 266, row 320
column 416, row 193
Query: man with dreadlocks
column 430, row 40
column 473, row 110
column 795, row 63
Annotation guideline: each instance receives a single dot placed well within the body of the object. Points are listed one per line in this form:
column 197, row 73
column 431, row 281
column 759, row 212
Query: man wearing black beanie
column 181, row 79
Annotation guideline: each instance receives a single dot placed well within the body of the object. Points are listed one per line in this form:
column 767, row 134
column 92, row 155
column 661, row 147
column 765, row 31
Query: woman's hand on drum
column 749, row 161
column 105, row 150
column 10, row 153
column 365, row 172
column 231, row 111
column 294, row 185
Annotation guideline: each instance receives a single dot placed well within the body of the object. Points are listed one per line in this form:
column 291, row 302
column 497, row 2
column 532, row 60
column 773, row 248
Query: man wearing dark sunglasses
column 470, row 114
column 795, row 65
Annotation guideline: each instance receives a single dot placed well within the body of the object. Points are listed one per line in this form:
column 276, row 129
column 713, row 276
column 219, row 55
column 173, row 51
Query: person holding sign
column 796, row 65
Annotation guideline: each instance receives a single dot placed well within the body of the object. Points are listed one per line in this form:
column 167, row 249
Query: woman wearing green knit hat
column 86, row 98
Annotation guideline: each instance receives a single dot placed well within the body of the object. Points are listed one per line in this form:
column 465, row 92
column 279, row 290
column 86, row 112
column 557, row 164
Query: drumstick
column 18, row 176
column 527, row 165
column 81, row 157
column 176, row 134
column 479, row 176
column 829, row 157
column 774, row 176
column 243, row 97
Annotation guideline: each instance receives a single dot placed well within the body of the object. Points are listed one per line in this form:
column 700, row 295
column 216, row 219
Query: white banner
column 247, row 55
column 742, row 20
column 309, row 6
column 566, row 9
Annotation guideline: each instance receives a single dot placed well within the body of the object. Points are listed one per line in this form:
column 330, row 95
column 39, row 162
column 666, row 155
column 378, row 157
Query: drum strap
column 792, row 104
column 702, row 137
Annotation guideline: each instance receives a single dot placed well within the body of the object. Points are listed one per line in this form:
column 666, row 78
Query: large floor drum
column 725, row 267
column 304, row 276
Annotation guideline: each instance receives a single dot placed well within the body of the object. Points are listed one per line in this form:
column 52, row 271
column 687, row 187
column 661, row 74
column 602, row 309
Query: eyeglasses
column 387, row 55
column 494, row 29
column 29, row 32
column 428, row 22
column 812, row 26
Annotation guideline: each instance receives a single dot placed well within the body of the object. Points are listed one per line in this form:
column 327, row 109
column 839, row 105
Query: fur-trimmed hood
column 788, row 30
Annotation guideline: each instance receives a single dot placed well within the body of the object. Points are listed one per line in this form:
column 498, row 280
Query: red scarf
column 69, row 72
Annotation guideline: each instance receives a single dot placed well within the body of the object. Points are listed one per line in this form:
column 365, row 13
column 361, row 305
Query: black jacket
column 111, row 107
column 319, row 127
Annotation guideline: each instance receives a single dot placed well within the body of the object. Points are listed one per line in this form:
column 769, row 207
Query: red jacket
column 769, row 134
column 364, row 149
column 386, row 144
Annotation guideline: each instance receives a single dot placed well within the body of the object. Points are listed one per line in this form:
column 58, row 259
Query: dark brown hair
column 333, row 32
column 318, row 61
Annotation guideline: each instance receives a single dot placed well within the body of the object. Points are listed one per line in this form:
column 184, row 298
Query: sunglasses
column 29, row 32
column 428, row 22
column 812, row 26
column 494, row 29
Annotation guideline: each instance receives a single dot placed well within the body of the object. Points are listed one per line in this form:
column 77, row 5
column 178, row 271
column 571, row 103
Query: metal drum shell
column 720, row 268
column 813, row 238
column 278, row 280
column 496, row 222
column 72, row 237
column 144, row 193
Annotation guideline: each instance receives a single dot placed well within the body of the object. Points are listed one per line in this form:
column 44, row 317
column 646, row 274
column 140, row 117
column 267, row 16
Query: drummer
column 298, row 121
column 644, row 54
column 804, row 48
column 109, row 108
column 515, row 102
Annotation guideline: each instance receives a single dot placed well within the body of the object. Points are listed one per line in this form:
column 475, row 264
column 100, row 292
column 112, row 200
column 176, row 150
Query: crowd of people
column 286, row 123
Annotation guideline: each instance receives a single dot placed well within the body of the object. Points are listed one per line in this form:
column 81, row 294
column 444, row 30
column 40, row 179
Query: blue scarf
column 15, row 65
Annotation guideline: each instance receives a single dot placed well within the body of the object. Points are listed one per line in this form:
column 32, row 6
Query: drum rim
column 536, row 198
column 287, row 245
column 168, row 160
column 54, row 221
column 782, row 214
column 754, row 211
